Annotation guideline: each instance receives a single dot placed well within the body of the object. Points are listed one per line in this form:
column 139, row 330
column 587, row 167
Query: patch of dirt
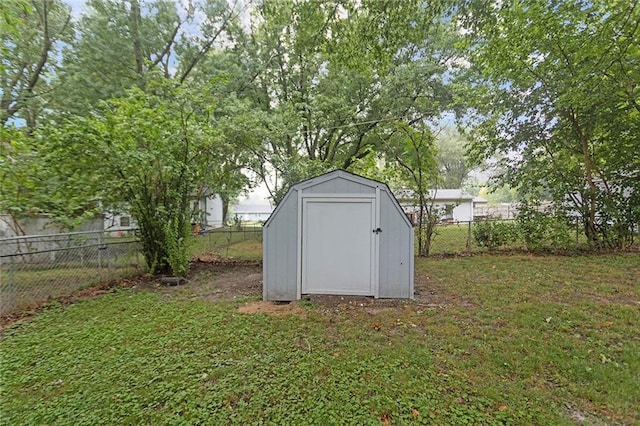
column 216, row 280
column 272, row 308
column 214, row 259
column 328, row 303
column 429, row 296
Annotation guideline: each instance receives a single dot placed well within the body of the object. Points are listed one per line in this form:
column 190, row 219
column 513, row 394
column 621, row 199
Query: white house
column 208, row 211
column 119, row 223
column 251, row 212
column 455, row 204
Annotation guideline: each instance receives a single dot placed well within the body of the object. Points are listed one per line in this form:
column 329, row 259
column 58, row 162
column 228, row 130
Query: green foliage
column 495, row 234
column 452, row 162
column 151, row 152
column 410, row 153
column 36, row 182
column 332, row 74
column 500, row 194
column 551, row 113
column 545, row 229
column 122, row 45
column 177, row 247
column 31, row 35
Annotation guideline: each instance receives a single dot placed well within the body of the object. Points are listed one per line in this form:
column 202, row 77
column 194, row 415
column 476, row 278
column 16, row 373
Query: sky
column 77, row 6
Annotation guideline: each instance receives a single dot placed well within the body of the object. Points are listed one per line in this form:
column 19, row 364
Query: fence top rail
column 63, row 234
column 101, row 246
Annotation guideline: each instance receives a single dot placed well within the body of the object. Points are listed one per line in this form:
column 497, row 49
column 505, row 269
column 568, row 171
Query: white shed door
column 338, row 246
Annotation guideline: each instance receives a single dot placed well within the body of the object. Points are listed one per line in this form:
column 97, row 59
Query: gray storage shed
column 338, row 233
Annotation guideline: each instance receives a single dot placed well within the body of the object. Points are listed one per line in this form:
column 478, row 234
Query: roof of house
column 252, row 208
column 450, row 194
column 437, row 194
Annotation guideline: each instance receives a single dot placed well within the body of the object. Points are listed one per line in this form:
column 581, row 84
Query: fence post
column 100, row 259
column 469, row 237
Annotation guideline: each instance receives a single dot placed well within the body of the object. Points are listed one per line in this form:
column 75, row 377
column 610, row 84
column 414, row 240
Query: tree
column 452, row 158
column 37, row 180
column 132, row 123
column 330, row 73
column 152, row 151
column 556, row 94
column 411, row 152
column 31, row 34
column 126, row 44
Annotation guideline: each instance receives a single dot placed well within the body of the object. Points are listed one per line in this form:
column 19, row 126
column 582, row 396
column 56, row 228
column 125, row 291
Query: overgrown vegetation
column 495, row 234
column 555, row 108
column 490, row 339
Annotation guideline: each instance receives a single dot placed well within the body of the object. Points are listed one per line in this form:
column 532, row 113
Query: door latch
column 377, row 231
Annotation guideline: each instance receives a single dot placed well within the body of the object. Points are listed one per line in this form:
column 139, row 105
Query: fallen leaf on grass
column 377, row 326
column 415, row 413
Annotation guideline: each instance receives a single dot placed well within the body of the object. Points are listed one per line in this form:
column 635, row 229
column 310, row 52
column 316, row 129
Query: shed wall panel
column 396, row 257
column 280, row 252
column 340, row 186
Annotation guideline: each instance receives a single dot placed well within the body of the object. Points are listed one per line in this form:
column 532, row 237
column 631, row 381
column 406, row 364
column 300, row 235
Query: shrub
column 177, row 247
column 495, row 234
column 542, row 229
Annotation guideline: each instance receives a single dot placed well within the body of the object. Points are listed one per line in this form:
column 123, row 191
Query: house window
column 125, row 221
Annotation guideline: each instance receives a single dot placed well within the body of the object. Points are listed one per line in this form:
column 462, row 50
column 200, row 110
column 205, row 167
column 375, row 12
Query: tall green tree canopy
column 330, row 74
column 125, row 44
column 151, row 151
column 31, row 36
column 556, row 94
column 452, row 161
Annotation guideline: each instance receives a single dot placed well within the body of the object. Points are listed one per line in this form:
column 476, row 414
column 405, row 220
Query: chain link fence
column 490, row 235
column 237, row 241
column 34, row 269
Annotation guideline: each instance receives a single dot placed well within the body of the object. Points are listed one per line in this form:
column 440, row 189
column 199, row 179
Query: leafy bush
column 542, row 229
column 177, row 247
column 495, row 234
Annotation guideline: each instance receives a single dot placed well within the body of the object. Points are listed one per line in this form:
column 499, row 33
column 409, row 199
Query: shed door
column 338, row 246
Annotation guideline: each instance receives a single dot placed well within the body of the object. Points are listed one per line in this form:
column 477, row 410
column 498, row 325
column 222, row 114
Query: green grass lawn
column 245, row 242
column 489, row 340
